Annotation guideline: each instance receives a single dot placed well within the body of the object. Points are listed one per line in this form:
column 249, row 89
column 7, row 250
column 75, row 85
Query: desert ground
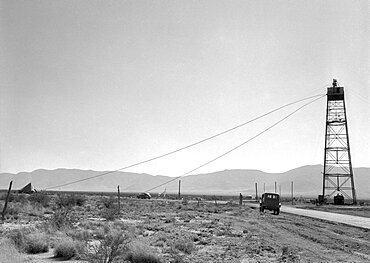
column 94, row 228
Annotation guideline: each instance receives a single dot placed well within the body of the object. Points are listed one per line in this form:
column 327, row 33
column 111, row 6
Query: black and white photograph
column 184, row 131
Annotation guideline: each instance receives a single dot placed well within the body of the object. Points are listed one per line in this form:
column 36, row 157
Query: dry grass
column 68, row 248
column 185, row 245
column 36, row 243
column 141, row 253
column 9, row 253
column 168, row 231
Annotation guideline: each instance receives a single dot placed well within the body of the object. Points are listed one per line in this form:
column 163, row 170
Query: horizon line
column 228, row 169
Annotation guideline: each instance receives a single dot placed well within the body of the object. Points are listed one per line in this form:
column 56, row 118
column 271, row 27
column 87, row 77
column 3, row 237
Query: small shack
column 339, row 199
column 28, row 189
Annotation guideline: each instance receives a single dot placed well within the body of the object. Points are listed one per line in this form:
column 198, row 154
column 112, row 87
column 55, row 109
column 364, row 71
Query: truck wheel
column 277, row 211
column 262, row 209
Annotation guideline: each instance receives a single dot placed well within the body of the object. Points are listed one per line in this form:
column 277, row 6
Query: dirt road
column 357, row 221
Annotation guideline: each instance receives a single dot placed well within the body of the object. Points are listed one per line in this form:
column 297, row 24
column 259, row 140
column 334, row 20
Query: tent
column 28, row 189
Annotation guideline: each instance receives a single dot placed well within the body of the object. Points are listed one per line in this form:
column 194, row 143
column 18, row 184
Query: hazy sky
column 104, row 84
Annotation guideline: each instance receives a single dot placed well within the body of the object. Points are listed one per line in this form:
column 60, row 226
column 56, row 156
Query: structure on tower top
column 338, row 182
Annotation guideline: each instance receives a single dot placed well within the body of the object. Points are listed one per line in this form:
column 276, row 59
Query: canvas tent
column 28, row 189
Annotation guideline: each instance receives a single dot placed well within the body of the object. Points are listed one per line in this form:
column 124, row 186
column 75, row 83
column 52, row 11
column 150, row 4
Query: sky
column 101, row 85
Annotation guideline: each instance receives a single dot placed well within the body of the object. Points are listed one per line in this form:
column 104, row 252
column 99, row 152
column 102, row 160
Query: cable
column 358, row 96
column 185, row 147
column 238, row 146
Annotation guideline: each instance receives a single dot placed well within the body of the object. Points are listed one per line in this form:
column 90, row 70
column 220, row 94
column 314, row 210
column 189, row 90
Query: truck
column 271, row 202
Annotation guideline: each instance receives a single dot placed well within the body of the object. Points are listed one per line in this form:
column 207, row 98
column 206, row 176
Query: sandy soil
column 46, row 257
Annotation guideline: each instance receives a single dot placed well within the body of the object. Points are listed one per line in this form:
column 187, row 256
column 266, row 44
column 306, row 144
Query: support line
column 188, row 146
column 238, row 146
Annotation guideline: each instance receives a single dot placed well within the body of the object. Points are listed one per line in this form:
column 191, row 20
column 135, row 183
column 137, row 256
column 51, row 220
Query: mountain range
column 307, row 181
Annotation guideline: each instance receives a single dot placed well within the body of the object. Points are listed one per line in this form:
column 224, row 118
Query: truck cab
column 270, row 201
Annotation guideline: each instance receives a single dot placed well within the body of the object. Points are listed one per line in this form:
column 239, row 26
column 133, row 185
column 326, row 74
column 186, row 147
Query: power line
column 185, row 147
column 238, row 146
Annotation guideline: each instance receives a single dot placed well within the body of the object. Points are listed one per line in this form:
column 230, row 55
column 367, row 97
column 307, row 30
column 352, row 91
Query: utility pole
column 119, row 200
column 280, row 189
column 264, row 187
column 179, row 189
column 292, row 192
column 256, row 191
column 275, row 187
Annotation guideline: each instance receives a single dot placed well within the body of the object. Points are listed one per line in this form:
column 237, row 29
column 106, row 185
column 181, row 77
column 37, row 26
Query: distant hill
column 307, row 181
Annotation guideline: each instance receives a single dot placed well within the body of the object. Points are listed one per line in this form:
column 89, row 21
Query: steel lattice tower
column 338, row 173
